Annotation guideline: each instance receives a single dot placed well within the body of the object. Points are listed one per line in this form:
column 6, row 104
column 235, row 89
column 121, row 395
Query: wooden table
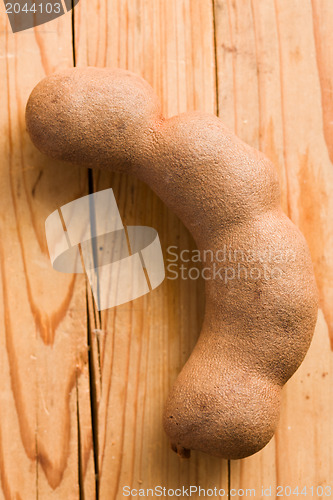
column 82, row 393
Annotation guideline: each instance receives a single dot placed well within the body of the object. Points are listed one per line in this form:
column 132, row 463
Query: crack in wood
column 80, row 469
column 92, row 365
column 93, row 399
column 215, row 61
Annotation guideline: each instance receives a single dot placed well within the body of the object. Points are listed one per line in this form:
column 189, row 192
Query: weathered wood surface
column 70, row 413
column 274, row 79
column 43, row 313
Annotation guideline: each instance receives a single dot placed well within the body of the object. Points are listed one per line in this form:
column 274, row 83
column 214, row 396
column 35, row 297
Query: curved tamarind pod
column 256, row 330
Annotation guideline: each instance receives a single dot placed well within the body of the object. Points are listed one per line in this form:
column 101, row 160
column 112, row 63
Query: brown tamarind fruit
column 256, row 330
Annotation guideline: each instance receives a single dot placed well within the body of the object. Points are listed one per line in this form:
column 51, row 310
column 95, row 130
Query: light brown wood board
column 81, row 393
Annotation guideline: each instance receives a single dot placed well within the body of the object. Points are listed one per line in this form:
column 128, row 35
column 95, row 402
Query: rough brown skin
column 256, row 331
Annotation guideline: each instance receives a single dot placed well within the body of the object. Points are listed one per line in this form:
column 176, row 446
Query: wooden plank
column 274, row 85
column 322, row 15
column 43, row 314
column 143, row 345
column 271, row 94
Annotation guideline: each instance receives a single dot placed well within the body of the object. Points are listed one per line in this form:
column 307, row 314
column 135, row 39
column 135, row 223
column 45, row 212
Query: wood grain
column 268, row 57
column 144, row 344
column 43, row 313
column 82, row 393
